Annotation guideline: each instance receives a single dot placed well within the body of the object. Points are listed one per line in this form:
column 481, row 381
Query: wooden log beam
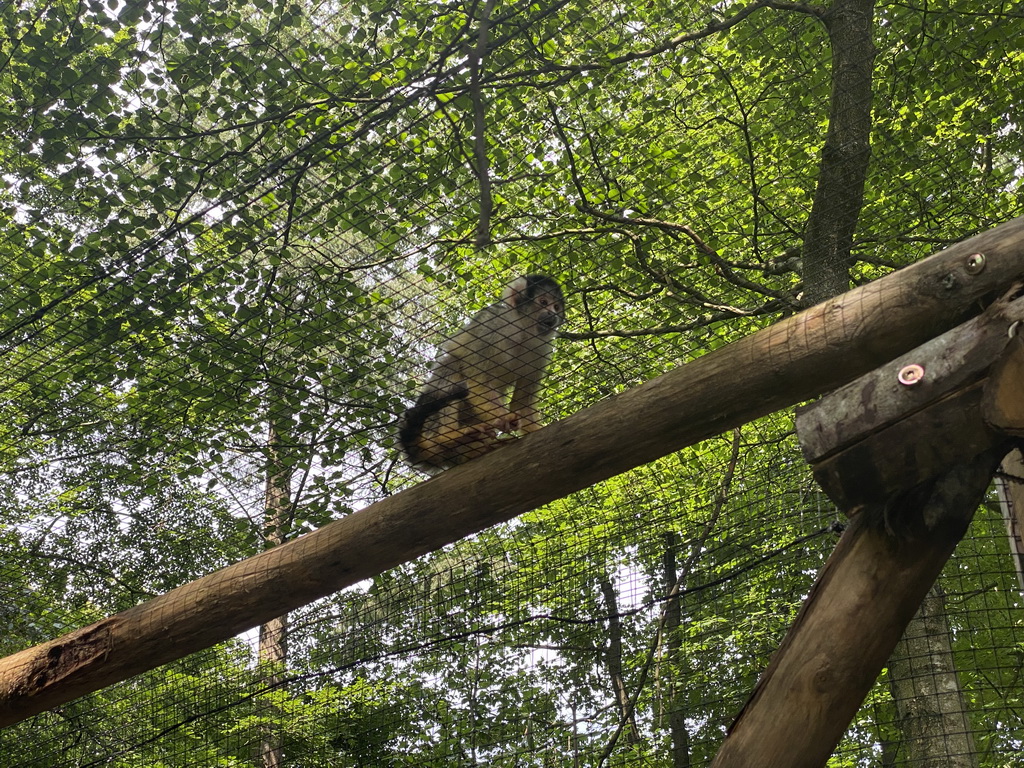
column 857, row 610
column 789, row 362
column 1003, row 409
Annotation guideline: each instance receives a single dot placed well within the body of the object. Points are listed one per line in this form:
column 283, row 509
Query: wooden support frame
column 910, row 463
column 790, row 362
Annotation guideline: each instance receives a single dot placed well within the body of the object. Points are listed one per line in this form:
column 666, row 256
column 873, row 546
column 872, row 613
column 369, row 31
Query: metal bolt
column 975, row 263
column 910, row 375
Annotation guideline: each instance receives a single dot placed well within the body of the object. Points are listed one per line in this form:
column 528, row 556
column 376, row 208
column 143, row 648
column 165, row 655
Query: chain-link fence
column 235, row 237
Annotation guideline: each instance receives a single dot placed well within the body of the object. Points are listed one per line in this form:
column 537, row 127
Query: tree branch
column 483, row 230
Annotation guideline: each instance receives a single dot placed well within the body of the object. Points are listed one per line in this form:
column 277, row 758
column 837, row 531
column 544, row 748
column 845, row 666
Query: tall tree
column 930, row 708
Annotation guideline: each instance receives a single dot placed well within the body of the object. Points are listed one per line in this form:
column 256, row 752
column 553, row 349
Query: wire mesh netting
column 235, row 237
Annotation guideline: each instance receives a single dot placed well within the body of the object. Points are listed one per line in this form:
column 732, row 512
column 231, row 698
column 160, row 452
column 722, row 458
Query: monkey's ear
column 515, row 292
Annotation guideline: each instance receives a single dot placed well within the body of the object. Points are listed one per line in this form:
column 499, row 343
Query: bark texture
column 930, row 707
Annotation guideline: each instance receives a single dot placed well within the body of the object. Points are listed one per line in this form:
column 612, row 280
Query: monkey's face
column 548, row 311
column 538, row 298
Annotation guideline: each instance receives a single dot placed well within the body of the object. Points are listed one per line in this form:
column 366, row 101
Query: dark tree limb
column 839, row 195
column 482, row 165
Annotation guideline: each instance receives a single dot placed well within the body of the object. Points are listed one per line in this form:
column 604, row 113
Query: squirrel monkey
column 465, row 402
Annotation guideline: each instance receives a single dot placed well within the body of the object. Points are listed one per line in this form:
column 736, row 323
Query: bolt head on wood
column 975, row 263
column 910, row 375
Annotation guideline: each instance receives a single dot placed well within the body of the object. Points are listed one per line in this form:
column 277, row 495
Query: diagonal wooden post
column 850, row 623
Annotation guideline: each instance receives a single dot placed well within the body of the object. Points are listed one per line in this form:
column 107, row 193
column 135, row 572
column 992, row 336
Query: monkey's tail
column 426, row 406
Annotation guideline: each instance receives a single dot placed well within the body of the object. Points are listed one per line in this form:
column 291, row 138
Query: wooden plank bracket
column 1003, row 404
column 908, row 421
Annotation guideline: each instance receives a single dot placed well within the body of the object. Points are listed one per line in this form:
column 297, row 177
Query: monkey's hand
column 477, row 441
column 478, row 432
column 529, row 419
column 513, row 422
column 509, row 422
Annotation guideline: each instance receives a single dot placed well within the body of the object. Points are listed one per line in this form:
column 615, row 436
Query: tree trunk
column 675, row 712
column 273, row 636
column 839, row 195
column 931, row 715
column 613, row 659
column 930, row 708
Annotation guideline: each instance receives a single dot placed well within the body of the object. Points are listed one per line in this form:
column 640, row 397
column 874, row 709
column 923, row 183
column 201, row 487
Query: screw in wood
column 975, row 263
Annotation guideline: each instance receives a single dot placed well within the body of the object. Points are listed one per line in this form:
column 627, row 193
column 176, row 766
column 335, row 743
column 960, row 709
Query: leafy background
column 231, row 236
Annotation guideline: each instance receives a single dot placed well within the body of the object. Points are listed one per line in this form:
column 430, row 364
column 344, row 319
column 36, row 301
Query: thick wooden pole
column 1010, row 487
column 792, row 361
column 850, row 623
